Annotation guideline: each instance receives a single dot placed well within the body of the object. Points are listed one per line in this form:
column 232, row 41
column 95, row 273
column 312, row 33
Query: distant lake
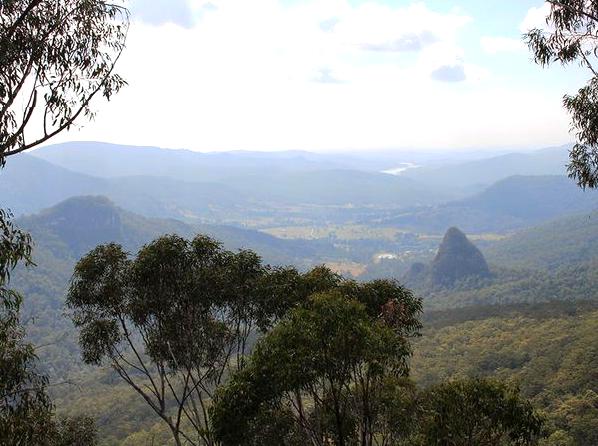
column 401, row 168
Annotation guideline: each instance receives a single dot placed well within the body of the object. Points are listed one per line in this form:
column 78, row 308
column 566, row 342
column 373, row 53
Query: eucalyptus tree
column 15, row 247
column 478, row 412
column 175, row 321
column 332, row 366
column 571, row 37
column 26, row 411
column 55, row 57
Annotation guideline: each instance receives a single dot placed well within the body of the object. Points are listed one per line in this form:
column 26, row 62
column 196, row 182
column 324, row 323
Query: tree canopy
column 330, row 366
column 15, row 246
column 477, row 412
column 335, row 372
column 176, row 320
column 55, row 57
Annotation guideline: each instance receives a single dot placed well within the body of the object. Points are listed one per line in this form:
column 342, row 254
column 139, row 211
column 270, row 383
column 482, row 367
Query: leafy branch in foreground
column 15, row 246
column 26, row 411
column 55, row 57
column 571, row 36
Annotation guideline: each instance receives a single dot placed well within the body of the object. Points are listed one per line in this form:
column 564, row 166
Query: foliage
column 26, row 412
column 477, row 412
column 176, row 320
column 333, row 372
column 571, row 38
column 25, row 409
column 24, row 406
column 55, row 57
column 333, row 363
column 76, row 431
column 15, row 245
column 548, row 350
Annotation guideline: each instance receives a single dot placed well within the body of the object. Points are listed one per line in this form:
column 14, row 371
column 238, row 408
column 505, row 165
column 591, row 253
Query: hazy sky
column 334, row 75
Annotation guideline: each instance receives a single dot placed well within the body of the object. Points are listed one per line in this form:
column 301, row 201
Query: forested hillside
column 484, row 337
column 549, row 350
column 564, row 241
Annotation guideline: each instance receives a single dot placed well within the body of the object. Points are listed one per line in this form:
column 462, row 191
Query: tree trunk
column 338, row 419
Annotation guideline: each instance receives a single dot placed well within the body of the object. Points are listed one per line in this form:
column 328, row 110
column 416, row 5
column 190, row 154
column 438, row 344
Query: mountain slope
column 28, row 184
column 549, row 350
column 78, row 224
column 566, row 241
column 74, row 226
column 513, row 203
column 481, row 173
column 533, row 198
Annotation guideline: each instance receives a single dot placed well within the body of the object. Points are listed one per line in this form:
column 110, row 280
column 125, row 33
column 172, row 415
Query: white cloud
column 317, row 76
column 535, row 18
column 495, row 45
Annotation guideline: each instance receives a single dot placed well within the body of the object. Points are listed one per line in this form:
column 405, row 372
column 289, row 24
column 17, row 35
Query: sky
column 334, row 75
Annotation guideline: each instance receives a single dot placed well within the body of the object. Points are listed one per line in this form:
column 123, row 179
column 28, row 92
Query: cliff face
column 457, row 258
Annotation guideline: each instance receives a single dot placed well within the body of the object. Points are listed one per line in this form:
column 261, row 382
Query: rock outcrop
column 457, row 258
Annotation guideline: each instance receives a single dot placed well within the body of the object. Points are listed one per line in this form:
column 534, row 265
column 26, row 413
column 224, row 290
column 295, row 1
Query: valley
column 536, row 233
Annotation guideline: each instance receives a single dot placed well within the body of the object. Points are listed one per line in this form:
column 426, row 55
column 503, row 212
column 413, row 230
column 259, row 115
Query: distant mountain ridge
column 73, row 227
column 113, row 160
column 512, row 203
column 30, row 184
column 108, row 160
column 475, row 175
